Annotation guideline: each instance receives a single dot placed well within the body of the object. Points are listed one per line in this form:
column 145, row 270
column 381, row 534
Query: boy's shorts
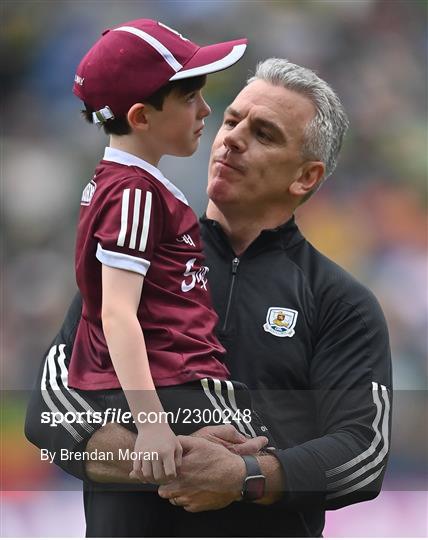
column 60, row 418
column 191, row 406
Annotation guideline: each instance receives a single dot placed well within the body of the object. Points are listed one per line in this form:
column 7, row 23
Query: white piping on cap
column 157, row 45
column 234, row 55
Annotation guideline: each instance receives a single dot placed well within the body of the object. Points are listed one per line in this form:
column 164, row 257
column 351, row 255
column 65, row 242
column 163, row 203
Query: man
column 322, row 382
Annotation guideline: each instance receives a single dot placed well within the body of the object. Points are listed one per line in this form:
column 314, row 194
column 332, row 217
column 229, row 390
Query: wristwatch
column 254, row 482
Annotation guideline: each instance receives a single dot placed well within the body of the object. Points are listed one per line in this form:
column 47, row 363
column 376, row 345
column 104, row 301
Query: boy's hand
column 159, row 455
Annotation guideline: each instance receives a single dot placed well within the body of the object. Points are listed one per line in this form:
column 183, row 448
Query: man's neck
column 241, row 229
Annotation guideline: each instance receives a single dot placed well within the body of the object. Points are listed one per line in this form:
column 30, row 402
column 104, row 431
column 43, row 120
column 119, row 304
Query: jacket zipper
column 235, row 263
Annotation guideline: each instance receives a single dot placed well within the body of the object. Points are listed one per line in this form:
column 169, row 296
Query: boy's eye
column 191, row 96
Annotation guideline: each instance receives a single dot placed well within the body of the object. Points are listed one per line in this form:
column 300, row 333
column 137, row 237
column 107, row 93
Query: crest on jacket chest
column 280, row 321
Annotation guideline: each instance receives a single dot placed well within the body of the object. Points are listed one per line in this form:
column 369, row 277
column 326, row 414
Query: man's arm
column 212, row 477
column 202, row 483
column 351, row 378
column 111, row 437
column 351, row 372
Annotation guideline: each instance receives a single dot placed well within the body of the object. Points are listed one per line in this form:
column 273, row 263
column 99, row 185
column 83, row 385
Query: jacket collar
column 286, row 235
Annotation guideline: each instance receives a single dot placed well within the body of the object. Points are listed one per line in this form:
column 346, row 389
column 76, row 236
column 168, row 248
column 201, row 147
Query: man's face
column 256, row 154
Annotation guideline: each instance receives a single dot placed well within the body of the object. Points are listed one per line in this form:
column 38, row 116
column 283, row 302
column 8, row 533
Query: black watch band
column 254, row 482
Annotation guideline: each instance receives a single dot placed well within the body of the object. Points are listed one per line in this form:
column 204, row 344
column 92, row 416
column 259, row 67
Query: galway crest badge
column 280, row 321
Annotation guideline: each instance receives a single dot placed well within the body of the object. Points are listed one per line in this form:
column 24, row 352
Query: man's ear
column 138, row 117
column 309, row 176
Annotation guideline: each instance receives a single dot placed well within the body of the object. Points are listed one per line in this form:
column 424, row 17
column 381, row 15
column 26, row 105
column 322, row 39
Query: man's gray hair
column 324, row 133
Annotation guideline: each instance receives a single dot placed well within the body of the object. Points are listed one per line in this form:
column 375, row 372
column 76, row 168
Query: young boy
column 147, row 323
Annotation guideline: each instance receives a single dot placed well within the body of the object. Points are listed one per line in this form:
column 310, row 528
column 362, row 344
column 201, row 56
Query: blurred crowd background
column 370, row 217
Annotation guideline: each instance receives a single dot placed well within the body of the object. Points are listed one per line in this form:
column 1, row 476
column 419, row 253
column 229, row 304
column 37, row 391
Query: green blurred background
column 370, row 217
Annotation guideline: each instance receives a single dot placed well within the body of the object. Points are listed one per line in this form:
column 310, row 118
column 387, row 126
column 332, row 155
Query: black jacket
column 325, row 392
column 320, row 374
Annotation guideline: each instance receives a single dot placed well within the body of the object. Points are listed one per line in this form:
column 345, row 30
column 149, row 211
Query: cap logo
column 79, row 80
column 174, row 31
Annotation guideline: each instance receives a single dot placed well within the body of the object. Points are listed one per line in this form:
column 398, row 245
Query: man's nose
column 235, row 140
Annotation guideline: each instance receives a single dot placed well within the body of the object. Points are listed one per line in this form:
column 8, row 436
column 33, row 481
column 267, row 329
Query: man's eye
column 230, row 123
column 263, row 135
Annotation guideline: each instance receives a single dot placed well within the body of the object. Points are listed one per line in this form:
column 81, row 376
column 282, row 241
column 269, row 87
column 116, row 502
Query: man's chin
column 220, row 192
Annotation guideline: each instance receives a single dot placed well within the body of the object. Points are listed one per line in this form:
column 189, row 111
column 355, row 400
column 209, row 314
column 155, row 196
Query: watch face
column 254, row 488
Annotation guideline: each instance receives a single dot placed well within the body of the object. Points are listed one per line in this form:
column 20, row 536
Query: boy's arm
column 121, row 293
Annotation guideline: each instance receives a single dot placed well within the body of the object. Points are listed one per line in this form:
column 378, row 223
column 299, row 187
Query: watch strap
column 253, row 487
column 252, row 466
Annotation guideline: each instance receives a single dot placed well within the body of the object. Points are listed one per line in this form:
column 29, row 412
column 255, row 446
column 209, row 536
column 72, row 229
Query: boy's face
column 177, row 128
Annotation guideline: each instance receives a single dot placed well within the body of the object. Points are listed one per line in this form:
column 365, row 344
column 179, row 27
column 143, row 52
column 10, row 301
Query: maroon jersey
column 133, row 218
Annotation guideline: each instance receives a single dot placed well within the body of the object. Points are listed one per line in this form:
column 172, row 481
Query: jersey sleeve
column 129, row 225
column 352, row 384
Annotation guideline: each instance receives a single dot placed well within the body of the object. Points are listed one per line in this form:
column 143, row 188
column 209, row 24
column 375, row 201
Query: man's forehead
column 272, row 101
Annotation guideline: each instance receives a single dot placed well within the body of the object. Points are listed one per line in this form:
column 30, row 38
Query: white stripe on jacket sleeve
column 378, row 448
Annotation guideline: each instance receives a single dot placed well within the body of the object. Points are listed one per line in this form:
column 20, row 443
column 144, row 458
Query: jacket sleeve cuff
column 305, row 483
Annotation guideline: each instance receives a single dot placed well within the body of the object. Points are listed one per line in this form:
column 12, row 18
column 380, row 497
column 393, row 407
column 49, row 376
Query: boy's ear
column 138, row 117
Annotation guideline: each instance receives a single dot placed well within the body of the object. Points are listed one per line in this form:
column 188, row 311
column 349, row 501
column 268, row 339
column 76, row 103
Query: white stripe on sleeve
column 355, row 487
column 135, row 219
column 146, row 221
column 380, row 456
column 123, row 218
column 377, row 437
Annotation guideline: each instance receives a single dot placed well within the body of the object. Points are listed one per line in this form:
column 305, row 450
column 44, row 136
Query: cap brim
column 212, row 58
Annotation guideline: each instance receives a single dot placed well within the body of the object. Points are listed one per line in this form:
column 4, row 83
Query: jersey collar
column 125, row 158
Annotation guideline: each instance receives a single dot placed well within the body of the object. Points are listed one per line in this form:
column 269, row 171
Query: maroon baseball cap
column 132, row 61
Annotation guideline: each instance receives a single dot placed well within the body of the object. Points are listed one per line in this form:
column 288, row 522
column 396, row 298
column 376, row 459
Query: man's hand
column 211, row 476
column 230, row 438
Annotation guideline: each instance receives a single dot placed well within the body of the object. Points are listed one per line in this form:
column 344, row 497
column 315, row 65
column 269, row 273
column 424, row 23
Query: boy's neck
column 132, row 145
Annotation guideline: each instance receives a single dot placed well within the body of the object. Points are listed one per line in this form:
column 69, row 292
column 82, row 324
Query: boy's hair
column 120, row 126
